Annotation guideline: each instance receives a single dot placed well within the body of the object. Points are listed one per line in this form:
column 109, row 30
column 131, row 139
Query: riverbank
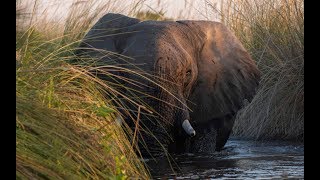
column 66, row 127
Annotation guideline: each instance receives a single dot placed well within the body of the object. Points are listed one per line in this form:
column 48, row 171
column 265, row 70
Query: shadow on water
column 241, row 159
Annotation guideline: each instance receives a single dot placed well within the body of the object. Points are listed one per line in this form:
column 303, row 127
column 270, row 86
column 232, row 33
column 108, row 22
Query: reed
column 66, row 126
column 273, row 32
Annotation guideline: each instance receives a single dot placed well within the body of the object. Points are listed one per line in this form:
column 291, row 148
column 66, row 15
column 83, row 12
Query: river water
column 240, row 159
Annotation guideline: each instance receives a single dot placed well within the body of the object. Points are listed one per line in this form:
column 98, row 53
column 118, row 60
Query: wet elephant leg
column 224, row 130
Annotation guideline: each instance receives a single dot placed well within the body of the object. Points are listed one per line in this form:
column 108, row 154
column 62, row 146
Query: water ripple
column 241, row 159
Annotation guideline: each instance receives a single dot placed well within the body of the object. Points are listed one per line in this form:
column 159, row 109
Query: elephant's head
column 203, row 73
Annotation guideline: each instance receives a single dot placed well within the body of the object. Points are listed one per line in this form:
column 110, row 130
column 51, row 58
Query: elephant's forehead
column 166, row 32
column 166, row 42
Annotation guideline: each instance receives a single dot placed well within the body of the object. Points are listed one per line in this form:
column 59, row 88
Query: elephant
column 197, row 77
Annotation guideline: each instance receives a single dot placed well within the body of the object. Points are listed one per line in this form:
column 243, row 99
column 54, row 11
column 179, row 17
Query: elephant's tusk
column 188, row 128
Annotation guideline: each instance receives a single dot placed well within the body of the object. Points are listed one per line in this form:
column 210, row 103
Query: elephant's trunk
column 188, row 128
column 183, row 117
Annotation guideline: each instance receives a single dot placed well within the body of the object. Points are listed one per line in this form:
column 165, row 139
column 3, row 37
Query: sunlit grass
column 66, row 127
column 62, row 113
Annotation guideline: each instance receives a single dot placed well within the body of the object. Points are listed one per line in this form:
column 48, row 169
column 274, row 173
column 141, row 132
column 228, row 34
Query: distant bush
column 148, row 15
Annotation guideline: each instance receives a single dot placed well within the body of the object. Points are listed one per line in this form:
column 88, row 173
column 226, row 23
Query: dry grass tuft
column 66, row 127
column 273, row 31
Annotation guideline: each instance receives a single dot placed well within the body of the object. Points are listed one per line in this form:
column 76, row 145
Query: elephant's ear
column 107, row 34
column 105, row 42
column 227, row 76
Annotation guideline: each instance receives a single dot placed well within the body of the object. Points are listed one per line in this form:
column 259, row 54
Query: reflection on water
column 241, row 159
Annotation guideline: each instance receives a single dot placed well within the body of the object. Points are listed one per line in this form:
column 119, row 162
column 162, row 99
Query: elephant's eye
column 188, row 78
column 188, row 73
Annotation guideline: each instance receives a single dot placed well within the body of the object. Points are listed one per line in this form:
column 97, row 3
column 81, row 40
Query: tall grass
column 65, row 123
column 66, row 127
column 273, row 32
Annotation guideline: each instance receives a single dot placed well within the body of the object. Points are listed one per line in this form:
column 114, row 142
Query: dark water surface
column 241, row 159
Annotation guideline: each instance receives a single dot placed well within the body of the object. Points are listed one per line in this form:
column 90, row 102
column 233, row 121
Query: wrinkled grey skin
column 201, row 63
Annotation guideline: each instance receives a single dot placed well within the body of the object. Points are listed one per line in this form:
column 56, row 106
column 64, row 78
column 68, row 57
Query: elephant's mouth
column 204, row 143
column 207, row 137
column 197, row 139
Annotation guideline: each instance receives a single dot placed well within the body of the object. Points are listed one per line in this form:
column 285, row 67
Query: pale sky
column 176, row 9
